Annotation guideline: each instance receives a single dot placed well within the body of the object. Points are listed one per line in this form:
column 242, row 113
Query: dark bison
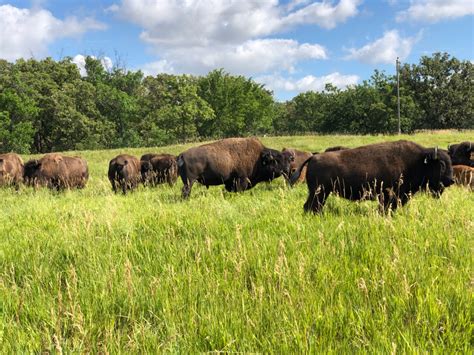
column 57, row 171
column 298, row 158
column 158, row 169
column 11, row 169
column 389, row 171
column 336, row 148
column 238, row 163
column 124, row 172
column 462, row 153
column 464, row 175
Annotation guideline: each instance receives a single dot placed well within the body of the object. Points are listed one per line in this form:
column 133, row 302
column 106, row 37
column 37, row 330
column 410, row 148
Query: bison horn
column 436, row 153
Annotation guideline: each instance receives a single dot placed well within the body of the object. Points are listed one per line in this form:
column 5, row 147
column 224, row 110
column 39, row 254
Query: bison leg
column 186, row 190
column 316, row 200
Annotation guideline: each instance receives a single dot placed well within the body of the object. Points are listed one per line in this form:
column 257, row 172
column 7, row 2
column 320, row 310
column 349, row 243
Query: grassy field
column 90, row 271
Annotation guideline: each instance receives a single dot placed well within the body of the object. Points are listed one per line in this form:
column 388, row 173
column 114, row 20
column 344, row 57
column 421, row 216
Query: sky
column 290, row 46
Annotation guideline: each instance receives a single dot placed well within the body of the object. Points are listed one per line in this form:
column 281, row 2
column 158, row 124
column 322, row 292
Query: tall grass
column 90, row 271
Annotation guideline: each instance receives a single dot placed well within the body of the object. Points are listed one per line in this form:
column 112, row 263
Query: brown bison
column 389, row 171
column 464, row 175
column 462, row 153
column 158, row 169
column 57, row 171
column 298, row 157
column 238, row 163
column 11, row 169
column 124, row 172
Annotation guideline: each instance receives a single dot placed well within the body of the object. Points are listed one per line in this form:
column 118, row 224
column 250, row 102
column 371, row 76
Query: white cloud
column 158, row 67
column 385, row 49
column 196, row 22
column 253, row 56
column 80, row 61
column 195, row 36
column 26, row 33
column 307, row 83
column 436, row 10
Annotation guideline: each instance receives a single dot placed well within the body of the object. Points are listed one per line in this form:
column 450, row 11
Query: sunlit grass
column 90, row 271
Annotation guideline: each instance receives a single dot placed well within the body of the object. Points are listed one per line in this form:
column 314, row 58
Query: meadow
column 90, row 271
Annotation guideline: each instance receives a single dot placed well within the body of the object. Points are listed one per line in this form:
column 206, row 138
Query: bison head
column 274, row 164
column 439, row 171
column 30, row 173
column 146, row 169
column 461, row 154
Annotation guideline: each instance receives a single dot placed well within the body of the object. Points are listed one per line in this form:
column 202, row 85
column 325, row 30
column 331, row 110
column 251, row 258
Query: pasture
column 90, row 271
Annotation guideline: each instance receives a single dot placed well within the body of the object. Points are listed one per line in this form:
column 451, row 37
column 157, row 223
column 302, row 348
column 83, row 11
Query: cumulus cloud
column 385, row 49
column 80, row 61
column 307, row 83
column 195, row 22
column 28, row 32
column 196, row 36
column 253, row 56
column 436, row 10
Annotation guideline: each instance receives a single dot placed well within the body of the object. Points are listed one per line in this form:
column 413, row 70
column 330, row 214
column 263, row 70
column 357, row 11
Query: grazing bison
column 389, row 171
column 158, row 169
column 464, row 175
column 297, row 158
column 124, row 172
column 11, row 169
column 238, row 163
column 335, row 149
column 462, row 153
column 57, row 171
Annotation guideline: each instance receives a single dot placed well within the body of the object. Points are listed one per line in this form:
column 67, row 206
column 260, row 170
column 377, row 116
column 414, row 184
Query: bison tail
column 296, row 175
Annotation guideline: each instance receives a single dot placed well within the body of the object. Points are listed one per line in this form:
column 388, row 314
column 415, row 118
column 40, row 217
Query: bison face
column 146, row 169
column 440, row 171
column 275, row 163
column 461, row 154
column 31, row 170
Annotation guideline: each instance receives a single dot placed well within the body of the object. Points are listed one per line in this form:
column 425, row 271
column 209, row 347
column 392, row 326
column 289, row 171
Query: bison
column 11, row 170
column 462, row 153
column 464, row 175
column 297, row 158
column 57, row 171
column 238, row 163
column 390, row 171
column 124, row 172
column 158, row 169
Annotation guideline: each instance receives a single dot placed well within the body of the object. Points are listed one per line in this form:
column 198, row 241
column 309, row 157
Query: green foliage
column 92, row 272
column 47, row 106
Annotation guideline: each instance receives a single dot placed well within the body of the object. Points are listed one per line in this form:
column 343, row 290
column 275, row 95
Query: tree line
column 46, row 105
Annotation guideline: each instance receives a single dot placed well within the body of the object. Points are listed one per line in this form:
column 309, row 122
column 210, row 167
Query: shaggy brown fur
column 124, row 172
column 238, row 163
column 389, row 171
column 299, row 157
column 464, row 175
column 57, row 171
column 11, row 169
column 158, row 169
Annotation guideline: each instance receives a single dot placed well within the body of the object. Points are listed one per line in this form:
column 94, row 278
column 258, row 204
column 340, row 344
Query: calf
column 158, row 169
column 124, row 173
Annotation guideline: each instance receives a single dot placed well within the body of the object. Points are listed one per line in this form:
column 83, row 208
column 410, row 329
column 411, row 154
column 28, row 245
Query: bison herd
column 389, row 172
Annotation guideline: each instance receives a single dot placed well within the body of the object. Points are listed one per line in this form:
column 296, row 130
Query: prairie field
column 91, row 271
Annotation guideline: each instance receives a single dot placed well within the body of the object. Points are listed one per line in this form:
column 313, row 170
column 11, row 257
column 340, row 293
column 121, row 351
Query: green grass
column 90, row 271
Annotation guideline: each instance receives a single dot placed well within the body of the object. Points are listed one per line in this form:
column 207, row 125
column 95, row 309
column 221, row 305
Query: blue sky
column 291, row 46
